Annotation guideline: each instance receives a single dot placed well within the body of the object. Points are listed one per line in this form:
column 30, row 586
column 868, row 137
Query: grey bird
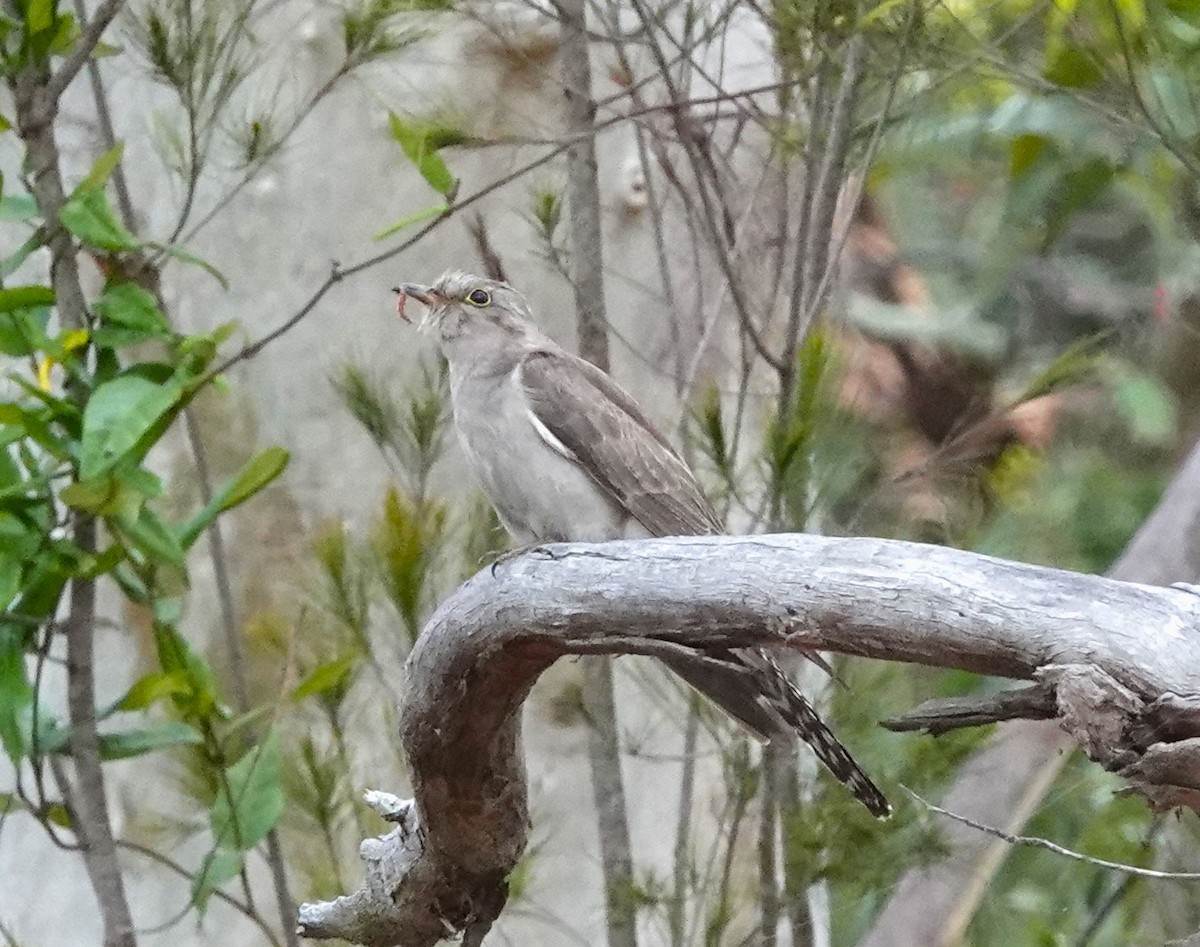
column 566, row 455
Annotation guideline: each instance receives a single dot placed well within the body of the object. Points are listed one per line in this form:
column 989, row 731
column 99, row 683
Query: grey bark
column 929, row 905
column 583, row 185
column 1167, row 547
column 1120, row 659
column 587, row 282
column 35, row 95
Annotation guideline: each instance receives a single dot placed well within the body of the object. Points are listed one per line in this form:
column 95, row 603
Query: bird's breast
column 539, row 493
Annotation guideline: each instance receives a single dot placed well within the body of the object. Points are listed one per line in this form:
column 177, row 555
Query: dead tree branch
column 1122, row 661
column 935, row 904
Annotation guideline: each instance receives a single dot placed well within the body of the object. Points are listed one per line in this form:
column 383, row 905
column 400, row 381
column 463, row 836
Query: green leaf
column 16, row 693
column 1024, row 150
column 39, row 16
column 25, row 297
column 1073, row 68
column 66, row 34
column 250, row 719
column 128, row 315
column 175, row 655
column 102, row 169
column 251, row 800
column 102, row 563
column 118, row 415
column 14, row 207
column 1146, row 406
column 150, row 689
column 404, row 222
column 89, row 217
column 11, row 263
column 139, row 742
column 42, row 585
column 258, row 472
column 172, row 249
column 58, row 813
column 325, row 677
column 23, row 331
column 104, row 496
column 1074, row 365
column 10, row 580
column 151, row 537
column 422, row 152
column 1076, row 190
column 221, row 866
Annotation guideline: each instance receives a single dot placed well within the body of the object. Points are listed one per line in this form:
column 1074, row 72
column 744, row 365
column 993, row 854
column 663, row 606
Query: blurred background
column 923, row 270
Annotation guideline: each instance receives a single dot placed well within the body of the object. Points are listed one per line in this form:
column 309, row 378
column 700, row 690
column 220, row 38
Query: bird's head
column 461, row 308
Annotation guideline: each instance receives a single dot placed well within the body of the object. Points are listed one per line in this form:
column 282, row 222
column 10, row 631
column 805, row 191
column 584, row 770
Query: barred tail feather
column 804, row 720
column 751, row 686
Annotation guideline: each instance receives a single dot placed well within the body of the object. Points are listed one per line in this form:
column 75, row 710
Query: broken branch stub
column 1117, row 663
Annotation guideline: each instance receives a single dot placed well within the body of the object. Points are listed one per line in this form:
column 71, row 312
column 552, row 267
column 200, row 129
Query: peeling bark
column 1122, row 661
column 929, row 904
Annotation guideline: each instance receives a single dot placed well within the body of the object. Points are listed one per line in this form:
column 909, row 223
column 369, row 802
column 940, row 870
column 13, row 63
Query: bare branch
column 1114, row 654
column 1035, row 842
column 940, row 716
column 928, row 904
column 583, row 188
column 84, row 47
column 591, row 320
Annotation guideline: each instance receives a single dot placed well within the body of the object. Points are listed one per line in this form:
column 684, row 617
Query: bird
column 565, row 454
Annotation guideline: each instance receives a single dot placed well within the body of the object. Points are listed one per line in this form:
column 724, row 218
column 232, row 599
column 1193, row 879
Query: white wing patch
column 547, row 435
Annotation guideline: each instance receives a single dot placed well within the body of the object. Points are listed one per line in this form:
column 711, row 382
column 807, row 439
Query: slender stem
column 604, row 755
column 716, row 217
column 587, row 281
column 583, row 187
column 237, row 662
column 797, row 883
column 216, row 548
column 768, row 847
column 93, row 828
column 339, row 273
column 287, row 907
column 178, row 869
column 677, row 909
column 84, row 47
column 741, row 803
column 36, row 100
column 104, row 116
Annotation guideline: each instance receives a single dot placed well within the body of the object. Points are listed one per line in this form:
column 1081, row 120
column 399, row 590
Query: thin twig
column 339, row 273
column 1168, row 140
column 677, row 907
column 704, row 170
column 104, row 116
column 768, row 845
column 84, row 47
column 174, row 866
column 1034, row 842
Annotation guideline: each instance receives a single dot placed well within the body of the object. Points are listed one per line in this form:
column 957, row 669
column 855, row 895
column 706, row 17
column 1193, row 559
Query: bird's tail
column 751, row 686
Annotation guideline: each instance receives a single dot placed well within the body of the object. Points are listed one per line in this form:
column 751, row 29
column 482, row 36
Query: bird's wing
column 584, row 415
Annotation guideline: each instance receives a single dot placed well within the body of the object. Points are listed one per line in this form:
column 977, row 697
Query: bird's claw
column 510, row 554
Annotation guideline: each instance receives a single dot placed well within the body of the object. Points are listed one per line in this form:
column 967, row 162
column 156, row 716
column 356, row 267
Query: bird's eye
column 479, row 297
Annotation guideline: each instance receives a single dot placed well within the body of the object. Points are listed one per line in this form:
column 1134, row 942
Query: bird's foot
column 510, row 554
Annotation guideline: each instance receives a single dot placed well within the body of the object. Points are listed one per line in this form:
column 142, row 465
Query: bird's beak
column 422, row 294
